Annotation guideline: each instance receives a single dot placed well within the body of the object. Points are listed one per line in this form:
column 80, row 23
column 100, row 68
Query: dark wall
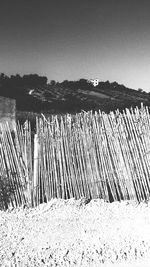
column 8, row 110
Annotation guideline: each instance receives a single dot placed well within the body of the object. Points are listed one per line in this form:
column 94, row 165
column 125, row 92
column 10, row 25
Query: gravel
column 76, row 233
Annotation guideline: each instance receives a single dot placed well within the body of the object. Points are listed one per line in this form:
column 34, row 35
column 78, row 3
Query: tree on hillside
column 16, row 80
column 16, row 85
column 83, row 83
column 34, row 80
column 140, row 90
column 52, row 82
column 3, row 78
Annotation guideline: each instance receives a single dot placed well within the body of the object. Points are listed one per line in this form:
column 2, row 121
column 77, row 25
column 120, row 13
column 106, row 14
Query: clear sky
column 72, row 39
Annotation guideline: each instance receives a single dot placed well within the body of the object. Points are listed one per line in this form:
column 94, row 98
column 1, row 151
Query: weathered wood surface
column 88, row 155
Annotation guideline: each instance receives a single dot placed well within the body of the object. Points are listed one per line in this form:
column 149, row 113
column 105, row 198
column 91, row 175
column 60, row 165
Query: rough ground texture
column 76, row 233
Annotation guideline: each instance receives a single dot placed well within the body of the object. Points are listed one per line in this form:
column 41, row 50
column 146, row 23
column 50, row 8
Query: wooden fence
column 92, row 155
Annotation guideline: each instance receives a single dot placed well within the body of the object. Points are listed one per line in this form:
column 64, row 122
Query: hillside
column 75, row 96
column 33, row 93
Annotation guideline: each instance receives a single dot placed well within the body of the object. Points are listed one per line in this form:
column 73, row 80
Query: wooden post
column 36, row 162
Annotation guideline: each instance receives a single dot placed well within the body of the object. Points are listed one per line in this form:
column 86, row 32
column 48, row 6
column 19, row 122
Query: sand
column 76, row 233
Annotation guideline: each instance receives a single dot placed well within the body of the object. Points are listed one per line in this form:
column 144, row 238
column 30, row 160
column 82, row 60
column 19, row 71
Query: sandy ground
column 76, row 233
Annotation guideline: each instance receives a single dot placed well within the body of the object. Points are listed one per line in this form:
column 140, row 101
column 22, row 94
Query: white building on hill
column 95, row 82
